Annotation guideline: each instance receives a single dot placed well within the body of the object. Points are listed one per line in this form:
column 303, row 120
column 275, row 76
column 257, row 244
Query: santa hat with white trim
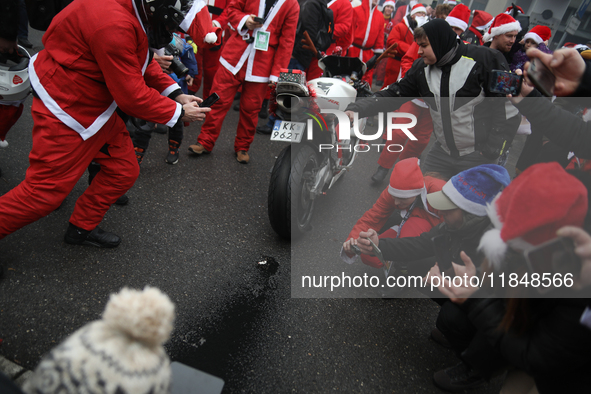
column 390, row 3
column 418, row 8
column 539, row 34
column 406, row 180
column 459, row 17
column 532, row 208
column 502, row 24
column 450, row 2
column 471, row 190
column 482, row 20
column 509, row 10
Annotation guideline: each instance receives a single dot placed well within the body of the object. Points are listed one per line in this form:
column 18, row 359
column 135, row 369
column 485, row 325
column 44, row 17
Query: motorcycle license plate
column 288, row 131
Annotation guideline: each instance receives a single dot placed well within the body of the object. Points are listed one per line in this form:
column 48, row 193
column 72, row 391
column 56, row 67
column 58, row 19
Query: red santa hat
column 459, row 17
column 509, row 9
column 502, row 24
column 482, row 20
column 406, row 180
column 539, row 34
column 532, row 208
column 418, row 8
column 390, row 3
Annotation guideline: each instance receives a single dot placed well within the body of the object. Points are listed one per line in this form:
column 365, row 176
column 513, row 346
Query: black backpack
column 323, row 38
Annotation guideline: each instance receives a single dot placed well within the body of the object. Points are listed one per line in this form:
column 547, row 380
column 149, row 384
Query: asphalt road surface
column 198, row 230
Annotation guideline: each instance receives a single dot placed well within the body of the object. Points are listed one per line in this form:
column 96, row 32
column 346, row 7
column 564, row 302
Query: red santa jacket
column 368, row 32
column 95, row 59
column 409, row 58
column 218, row 11
column 281, row 23
column 199, row 26
column 404, row 36
column 342, row 12
column 377, row 216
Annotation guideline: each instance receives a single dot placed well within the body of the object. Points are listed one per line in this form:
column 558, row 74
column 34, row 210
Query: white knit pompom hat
column 121, row 353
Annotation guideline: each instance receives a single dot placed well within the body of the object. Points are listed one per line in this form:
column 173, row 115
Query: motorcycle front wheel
column 290, row 205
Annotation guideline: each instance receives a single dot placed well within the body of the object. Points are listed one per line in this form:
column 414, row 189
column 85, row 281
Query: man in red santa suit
column 95, row 59
column 368, row 33
column 253, row 55
column 402, row 34
column 342, row 12
column 406, row 192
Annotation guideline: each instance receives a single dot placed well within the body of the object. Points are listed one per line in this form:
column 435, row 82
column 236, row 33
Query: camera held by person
column 175, row 48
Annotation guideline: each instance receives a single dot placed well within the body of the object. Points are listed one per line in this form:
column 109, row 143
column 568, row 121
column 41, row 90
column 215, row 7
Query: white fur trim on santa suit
column 462, row 202
column 497, row 31
column 195, row 8
column 249, row 53
column 533, row 36
column 455, row 22
column 62, row 115
column 371, row 9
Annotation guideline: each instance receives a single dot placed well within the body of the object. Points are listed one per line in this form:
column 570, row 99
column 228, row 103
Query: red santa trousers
column 208, row 62
column 57, row 161
column 422, row 131
column 413, row 227
column 225, row 85
column 9, row 114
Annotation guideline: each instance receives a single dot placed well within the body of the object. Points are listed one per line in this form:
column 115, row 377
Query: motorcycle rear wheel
column 290, row 205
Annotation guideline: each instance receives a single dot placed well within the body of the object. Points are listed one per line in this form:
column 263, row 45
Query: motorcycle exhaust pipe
column 290, row 103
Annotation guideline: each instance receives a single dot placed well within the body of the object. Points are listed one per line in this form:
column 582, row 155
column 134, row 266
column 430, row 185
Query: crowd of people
column 439, row 66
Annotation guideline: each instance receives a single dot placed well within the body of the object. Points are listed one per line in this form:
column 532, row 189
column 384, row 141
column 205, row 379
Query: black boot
column 264, row 112
column 97, row 237
column 173, row 152
column 458, row 378
column 380, row 174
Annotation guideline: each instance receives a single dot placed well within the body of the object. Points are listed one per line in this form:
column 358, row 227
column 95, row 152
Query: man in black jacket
column 472, row 125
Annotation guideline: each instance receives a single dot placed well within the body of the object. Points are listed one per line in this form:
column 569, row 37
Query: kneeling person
column 407, row 192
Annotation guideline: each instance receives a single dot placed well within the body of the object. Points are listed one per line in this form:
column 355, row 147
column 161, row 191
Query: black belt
column 361, row 47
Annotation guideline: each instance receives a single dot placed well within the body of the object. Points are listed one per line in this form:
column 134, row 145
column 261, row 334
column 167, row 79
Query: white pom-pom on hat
column 146, row 316
column 3, row 144
column 493, row 247
column 210, row 38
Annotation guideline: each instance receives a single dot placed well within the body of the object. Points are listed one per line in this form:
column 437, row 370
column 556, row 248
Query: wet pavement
column 199, row 230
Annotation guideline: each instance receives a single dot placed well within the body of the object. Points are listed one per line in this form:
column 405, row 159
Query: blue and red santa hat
column 471, row 190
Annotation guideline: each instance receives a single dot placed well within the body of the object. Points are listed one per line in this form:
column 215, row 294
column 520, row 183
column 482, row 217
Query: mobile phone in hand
column 258, row 19
column 442, row 245
column 208, row 102
column 505, row 82
column 541, row 77
column 556, row 256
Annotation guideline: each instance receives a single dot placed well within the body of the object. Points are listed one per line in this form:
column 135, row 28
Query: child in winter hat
column 121, row 353
column 535, row 38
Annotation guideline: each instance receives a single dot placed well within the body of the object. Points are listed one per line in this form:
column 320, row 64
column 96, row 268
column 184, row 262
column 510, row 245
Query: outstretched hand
column 567, row 65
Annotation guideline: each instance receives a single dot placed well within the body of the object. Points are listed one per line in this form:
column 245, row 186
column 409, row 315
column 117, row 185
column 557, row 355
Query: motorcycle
column 309, row 167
